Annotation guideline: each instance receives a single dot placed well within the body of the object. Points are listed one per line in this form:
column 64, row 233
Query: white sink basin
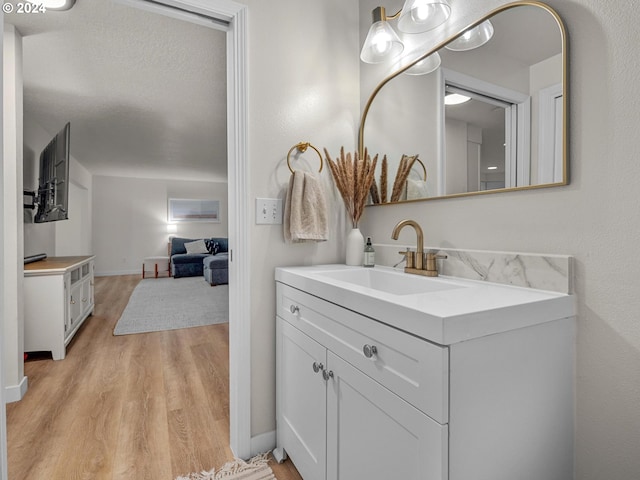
column 389, row 281
column 442, row 309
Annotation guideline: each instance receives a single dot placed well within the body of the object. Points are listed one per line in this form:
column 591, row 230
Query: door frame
column 233, row 19
column 517, row 123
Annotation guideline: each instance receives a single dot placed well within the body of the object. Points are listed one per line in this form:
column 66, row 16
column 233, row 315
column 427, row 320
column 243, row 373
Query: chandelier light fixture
column 473, row 38
column 416, row 16
column 57, row 4
column 426, row 65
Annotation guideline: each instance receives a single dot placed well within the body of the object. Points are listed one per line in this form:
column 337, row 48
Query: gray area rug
column 170, row 303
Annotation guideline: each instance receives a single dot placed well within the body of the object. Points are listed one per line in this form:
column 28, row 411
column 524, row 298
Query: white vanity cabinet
column 358, row 397
column 58, row 297
column 338, row 422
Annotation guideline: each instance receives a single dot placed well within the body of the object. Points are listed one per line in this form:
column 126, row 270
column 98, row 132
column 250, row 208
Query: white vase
column 355, row 247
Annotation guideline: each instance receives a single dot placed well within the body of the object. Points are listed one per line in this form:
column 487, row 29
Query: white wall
column 3, row 299
column 130, row 219
column 303, row 86
column 12, row 252
column 596, row 218
column 73, row 236
column 55, row 238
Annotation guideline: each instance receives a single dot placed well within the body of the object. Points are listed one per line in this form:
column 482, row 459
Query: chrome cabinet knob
column 327, row 374
column 294, row 309
column 317, row 367
column 370, row 351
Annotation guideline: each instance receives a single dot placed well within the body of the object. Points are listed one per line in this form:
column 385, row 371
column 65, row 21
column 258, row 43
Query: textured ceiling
column 145, row 93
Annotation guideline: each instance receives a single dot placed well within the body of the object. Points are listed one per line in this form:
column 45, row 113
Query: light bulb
column 420, row 13
column 56, row 4
column 381, row 43
column 418, row 16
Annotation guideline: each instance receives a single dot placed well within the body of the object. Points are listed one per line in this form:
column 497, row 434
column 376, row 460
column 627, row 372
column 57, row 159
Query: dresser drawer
column 413, row 368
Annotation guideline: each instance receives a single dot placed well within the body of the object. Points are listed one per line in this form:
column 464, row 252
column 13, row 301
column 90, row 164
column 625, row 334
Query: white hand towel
column 416, row 189
column 305, row 210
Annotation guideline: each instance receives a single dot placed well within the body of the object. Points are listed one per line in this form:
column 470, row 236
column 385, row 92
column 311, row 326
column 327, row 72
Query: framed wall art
column 193, row 210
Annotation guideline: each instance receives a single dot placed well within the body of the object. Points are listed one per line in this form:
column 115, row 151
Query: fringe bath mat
column 256, row 468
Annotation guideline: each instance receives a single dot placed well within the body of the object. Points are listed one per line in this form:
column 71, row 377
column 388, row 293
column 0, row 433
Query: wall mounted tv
column 52, row 197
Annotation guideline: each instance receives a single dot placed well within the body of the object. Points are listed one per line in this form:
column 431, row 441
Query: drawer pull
column 317, row 367
column 294, row 309
column 327, row 374
column 370, row 351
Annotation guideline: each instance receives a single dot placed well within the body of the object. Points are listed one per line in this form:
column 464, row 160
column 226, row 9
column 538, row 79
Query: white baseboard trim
column 265, row 442
column 15, row 393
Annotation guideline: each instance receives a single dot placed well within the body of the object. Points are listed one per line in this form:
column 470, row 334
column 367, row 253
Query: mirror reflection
column 488, row 117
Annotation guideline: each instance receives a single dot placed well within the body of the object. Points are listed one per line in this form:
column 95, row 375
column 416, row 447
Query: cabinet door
column 76, row 303
column 374, row 434
column 87, row 303
column 302, row 401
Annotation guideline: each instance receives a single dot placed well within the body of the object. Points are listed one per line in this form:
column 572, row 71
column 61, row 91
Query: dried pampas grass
column 353, row 177
column 404, row 168
column 379, row 193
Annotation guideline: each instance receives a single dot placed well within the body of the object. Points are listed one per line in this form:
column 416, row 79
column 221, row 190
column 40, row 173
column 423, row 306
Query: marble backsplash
column 544, row 272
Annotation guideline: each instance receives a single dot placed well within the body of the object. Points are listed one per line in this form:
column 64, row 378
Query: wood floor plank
column 146, row 432
column 145, row 406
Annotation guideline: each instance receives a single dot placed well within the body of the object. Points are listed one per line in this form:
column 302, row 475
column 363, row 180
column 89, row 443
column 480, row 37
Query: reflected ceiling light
column 56, row 4
column 426, row 65
column 492, row 168
column 455, row 99
column 416, row 16
column 473, row 38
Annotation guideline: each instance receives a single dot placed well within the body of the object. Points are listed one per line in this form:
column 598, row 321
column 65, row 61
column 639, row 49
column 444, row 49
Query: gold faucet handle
column 432, row 265
column 411, row 258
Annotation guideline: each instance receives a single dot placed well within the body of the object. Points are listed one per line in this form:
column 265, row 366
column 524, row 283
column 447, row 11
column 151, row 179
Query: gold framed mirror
column 510, row 133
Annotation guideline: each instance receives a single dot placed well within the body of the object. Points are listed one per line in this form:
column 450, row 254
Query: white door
column 302, row 400
column 551, row 148
column 374, row 434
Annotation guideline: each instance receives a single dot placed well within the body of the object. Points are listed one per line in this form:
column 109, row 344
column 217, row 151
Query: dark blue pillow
column 213, row 247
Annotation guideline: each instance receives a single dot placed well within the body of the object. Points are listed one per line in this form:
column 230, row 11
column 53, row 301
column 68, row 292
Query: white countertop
column 468, row 309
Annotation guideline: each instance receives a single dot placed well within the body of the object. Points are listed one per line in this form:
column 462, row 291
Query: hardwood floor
column 145, row 406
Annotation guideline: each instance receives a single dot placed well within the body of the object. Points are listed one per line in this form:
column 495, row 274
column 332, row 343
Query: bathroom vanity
column 382, row 374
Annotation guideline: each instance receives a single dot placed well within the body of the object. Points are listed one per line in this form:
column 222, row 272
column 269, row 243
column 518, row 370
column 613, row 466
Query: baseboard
column 265, row 442
column 15, row 393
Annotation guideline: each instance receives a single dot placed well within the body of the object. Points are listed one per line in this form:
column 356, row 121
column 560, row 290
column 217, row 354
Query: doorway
column 232, row 17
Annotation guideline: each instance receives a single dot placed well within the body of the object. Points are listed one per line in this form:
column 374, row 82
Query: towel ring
column 423, row 168
column 302, row 147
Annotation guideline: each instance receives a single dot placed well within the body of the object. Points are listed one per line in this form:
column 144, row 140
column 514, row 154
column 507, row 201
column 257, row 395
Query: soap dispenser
column 369, row 254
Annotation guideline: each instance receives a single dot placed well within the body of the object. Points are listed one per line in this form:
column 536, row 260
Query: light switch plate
column 268, row 211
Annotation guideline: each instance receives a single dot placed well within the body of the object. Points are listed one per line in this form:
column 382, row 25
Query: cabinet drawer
column 413, row 368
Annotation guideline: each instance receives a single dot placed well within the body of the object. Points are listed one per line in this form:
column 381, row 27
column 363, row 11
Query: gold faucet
column 417, row 262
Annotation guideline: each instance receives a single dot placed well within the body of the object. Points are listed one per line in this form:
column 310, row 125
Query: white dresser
column 58, row 297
